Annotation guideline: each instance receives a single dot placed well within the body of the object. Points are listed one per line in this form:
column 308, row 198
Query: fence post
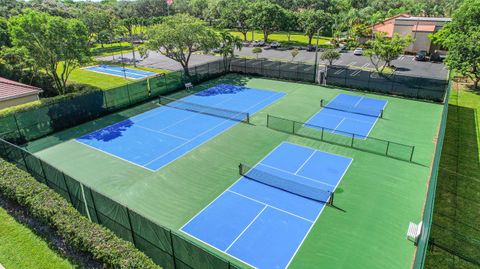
column 411, row 155
column 346, row 73
column 18, row 127
column 95, row 207
column 323, row 130
column 293, row 127
column 173, row 249
column 43, row 172
column 296, row 75
column 261, row 66
column 66, row 186
column 268, row 120
column 279, row 69
column 24, row 161
column 245, row 66
column 131, row 228
column 128, row 94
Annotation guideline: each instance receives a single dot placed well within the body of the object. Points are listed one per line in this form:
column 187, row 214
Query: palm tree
column 229, row 43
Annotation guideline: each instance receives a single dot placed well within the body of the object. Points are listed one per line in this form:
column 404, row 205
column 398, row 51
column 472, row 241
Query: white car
column 275, row 44
column 358, row 51
column 258, row 43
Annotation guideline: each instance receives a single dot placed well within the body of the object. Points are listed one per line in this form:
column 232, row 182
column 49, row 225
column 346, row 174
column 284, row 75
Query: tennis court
column 349, row 115
column 263, row 218
column 373, row 203
column 120, row 71
column 157, row 137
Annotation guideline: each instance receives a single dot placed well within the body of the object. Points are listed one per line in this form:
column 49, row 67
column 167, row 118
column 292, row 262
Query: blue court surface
column 349, row 114
column 120, row 71
column 155, row 138
column 264, row 226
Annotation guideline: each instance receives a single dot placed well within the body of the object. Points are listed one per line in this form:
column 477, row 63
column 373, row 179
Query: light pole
column 316, row 56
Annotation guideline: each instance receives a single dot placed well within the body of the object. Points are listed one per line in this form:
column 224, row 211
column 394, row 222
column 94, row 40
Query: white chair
column 188, row 86
column 414, row 231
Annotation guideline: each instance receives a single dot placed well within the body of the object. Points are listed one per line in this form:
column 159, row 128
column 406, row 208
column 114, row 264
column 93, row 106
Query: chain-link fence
column 275, row 69
column 393, row 84
column 166, row 247
column 37, row 122
column 432, row 185
column 356, row 141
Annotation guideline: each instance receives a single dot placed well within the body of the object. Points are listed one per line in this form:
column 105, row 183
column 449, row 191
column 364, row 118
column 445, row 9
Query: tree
column 257, row 51
column 266, row 16
column 235, row 13
column 4, row 37
column 313, row 20
column 294, row 53
column 55, row 45
column 97, row 20
column 229, row 43
column 384, row 49
column 290, row 22
column 128, row 20
column 330, row 55
column 178, row 37
column 462, row 38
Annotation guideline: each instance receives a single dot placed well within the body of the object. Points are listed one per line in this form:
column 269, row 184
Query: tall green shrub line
column 76, row 229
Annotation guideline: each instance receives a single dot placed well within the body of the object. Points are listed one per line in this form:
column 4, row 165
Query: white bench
column 188, row 86
column 414, row 231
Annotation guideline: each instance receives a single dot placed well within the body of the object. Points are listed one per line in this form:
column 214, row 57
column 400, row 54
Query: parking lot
column 405, row 64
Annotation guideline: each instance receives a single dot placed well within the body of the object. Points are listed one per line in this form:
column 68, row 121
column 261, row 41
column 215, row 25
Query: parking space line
column 352, row 63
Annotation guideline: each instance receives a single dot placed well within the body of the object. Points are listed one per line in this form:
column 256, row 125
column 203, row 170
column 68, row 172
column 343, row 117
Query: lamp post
column 316, row 57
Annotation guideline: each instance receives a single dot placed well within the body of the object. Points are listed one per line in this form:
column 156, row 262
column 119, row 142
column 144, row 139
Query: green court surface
column 376, row 199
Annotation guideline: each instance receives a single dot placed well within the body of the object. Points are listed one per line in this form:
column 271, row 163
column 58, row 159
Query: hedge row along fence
column 50, row 207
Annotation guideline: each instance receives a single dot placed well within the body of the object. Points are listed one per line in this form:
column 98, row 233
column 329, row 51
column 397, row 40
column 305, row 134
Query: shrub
column 77, row 230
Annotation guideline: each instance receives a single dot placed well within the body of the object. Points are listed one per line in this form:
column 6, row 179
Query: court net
column 207, row 110
column 367, row 111
column 309, row 191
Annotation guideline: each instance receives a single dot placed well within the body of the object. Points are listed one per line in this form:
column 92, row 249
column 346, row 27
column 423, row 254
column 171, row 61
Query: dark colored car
column 421, row 55
column 311, row 48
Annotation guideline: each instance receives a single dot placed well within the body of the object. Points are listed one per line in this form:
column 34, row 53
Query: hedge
column 48, row 206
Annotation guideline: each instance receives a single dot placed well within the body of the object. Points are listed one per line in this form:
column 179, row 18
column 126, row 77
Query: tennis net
column 367, row 111
column 207, row 110
column 308, row 189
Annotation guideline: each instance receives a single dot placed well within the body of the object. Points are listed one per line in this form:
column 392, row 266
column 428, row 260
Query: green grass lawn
column 21, row 248
column 110, row 49
column 104, row 81
column 457, row 205
column 296, row 38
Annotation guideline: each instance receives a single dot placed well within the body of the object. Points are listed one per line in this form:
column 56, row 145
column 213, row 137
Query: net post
column 411, row 155
column 388, row 146
column 248, row 117
column 240, row 168
column 381, row 113
column 293, row 127
column 268, row 120
column 330, row 200
column 353, row 139
column 323, row 130
column 321, row 102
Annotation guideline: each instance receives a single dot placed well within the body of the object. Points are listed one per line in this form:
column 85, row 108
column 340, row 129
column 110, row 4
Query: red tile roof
column 10, row 89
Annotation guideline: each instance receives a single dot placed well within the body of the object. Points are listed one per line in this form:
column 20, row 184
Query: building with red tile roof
column 418, row 27
column 14, row 93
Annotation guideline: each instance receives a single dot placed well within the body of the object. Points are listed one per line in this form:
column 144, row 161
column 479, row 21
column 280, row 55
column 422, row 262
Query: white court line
column 160, row 132
column 268, row 205
column 359, row 100
column 279, row 169
column 268, row 154
column 319, row 213
column 223, row 122
column 120, row 158
column 246, row 228
column 228, row 189
column 305, row 162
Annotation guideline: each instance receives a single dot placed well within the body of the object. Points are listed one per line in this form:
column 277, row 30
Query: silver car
column 358, row 51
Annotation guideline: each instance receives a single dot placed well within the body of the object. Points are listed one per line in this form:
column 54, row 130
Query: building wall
column 422, row 42
column 18, row 101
